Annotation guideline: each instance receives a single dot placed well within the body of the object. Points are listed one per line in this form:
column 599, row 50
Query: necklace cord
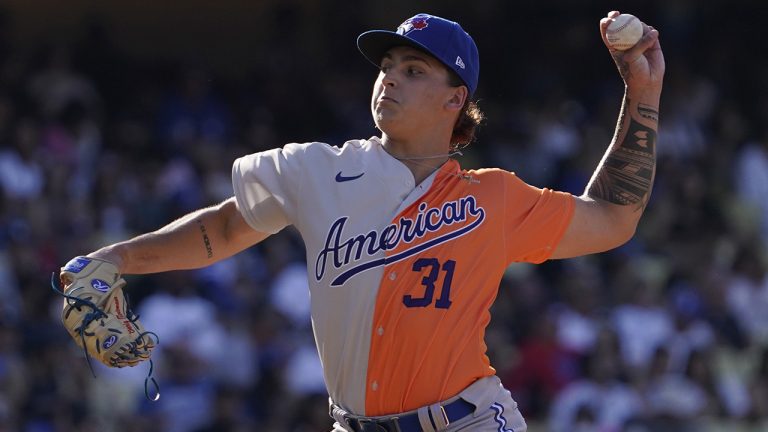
column 416, row 160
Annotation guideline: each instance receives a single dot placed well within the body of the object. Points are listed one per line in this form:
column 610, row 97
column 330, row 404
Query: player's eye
column 385, row 68
column 413, row 71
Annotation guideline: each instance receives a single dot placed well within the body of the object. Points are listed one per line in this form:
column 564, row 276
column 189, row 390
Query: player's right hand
column 641, row 66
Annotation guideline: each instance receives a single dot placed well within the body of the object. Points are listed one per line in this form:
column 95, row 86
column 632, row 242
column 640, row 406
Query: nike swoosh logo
column 340, row 178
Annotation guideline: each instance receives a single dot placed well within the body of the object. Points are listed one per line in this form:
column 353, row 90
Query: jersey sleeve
column 535, row 219
column 267, row 187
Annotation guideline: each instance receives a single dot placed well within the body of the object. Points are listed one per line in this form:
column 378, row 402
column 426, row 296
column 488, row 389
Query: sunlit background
column 117, row 117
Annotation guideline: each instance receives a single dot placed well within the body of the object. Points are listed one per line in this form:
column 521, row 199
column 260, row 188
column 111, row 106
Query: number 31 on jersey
column 433, row 269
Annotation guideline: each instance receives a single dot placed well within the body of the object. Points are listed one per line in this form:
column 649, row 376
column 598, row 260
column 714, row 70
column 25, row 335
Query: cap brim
column 375, row 43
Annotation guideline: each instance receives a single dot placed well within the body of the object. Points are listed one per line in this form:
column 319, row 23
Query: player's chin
column 384, row 118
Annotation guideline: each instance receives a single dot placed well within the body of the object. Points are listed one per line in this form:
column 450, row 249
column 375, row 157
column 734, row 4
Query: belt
column 451, row 412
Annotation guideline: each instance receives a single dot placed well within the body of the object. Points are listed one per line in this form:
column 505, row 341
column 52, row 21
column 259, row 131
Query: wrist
column 647, row 94
column 112, row 254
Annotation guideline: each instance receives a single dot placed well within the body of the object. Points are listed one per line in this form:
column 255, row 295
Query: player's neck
column 422, row 159
column 427, row 148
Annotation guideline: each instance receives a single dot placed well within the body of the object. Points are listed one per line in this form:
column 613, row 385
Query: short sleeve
column 267, row 187
column 535, row 221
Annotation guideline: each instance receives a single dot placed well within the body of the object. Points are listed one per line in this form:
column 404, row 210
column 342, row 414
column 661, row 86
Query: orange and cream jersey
column 401, row 275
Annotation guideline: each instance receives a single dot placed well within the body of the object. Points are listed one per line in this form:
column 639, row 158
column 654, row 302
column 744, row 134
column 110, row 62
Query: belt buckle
column 445, row 415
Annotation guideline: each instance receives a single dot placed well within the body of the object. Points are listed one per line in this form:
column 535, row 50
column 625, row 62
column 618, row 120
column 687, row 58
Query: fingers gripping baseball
column 640, row 63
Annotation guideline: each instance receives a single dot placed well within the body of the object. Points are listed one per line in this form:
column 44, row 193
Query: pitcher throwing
column 405, row 249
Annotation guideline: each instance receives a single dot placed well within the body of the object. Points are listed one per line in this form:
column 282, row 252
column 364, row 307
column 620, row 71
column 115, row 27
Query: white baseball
column 624, row 32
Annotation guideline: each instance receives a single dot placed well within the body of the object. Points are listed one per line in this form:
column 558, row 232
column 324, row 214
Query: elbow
column 626, row 234
column 623, row 226
column 227, row 211
column 625, row 231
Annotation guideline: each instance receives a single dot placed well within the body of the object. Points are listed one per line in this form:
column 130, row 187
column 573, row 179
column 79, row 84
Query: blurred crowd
column 668, row 332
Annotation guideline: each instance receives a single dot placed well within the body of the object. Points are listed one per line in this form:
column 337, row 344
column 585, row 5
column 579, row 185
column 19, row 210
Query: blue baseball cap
column 443, row 39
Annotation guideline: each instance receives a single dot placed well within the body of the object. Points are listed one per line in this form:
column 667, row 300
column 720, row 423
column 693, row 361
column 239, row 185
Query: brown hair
column 469, row 119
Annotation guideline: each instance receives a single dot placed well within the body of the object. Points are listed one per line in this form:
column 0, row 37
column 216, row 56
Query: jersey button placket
column 392, row 276
column 375, row 385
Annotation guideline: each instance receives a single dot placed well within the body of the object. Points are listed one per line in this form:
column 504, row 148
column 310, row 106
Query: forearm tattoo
column 648, row 112
column 626, row 174
column 206, row 240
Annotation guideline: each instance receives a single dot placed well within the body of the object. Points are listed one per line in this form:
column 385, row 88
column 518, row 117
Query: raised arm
column 196, row 240
column 608, row 211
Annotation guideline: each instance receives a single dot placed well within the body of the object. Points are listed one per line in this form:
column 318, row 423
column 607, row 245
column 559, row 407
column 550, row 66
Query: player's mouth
column 386, row 99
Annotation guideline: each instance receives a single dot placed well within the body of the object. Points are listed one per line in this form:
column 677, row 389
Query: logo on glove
column 109, row 342
column 77, row 264
column 121, row 316
column 99, row 285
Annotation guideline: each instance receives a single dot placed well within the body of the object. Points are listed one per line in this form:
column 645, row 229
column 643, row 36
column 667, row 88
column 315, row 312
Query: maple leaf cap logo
column 416, row 23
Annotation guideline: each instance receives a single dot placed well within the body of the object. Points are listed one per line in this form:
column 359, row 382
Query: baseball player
column 405, row 249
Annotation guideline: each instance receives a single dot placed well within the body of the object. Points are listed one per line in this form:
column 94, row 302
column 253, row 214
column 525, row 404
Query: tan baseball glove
column 97, row 316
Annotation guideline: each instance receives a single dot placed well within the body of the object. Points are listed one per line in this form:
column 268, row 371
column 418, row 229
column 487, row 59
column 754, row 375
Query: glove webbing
column 97, row 313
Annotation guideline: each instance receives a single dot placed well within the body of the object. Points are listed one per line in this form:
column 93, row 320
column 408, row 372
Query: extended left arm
column 608, row 212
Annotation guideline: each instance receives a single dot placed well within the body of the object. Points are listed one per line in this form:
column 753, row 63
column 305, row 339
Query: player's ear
column 458, row 95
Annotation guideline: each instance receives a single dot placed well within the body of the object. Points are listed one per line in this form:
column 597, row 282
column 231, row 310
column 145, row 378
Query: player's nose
column 388, row 78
